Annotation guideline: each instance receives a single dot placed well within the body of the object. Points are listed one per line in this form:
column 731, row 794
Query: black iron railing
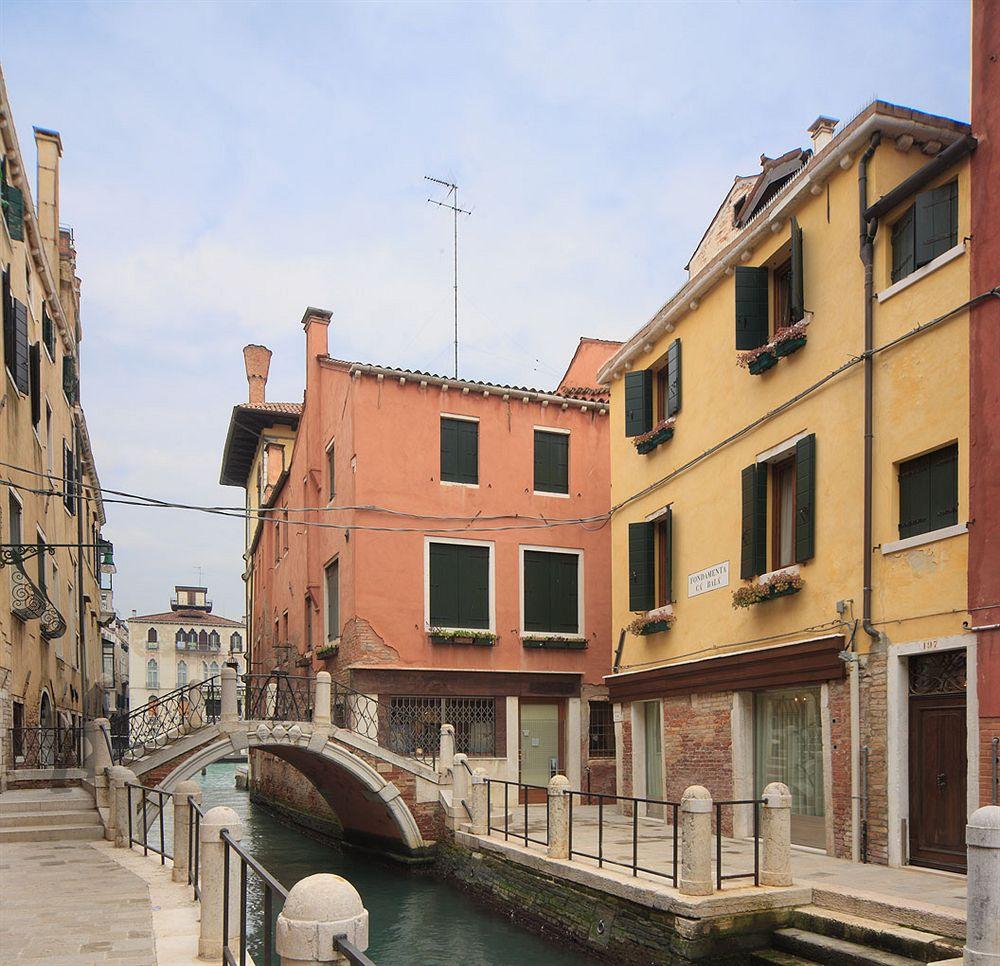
column 527, row 789
column 755, row 874
column 194, row 850
column 38, row 747
column 150, row 802
column 635, row 803
column 277, row 696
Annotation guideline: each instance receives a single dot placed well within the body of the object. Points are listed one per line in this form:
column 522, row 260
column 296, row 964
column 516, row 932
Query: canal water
column 415, row 920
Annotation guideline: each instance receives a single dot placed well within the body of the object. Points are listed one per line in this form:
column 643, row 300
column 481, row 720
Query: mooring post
column 182, row 826
column 696, row 842
column 230, row 708
column 480, row 812
column 321, row 705
column 776, row 833
column 558, row 817
column 211, row 860
column 320, row 908
column 446, row 756
column 982, row 840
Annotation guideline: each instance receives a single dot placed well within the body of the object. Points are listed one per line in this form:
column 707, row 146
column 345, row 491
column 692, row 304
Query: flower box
column 648, row 442
column 556, row 643
column 484, row 639
column 654, row 622
column 787, row 346
column 762, row 363
column 329, row 651
column 780, row 585
column 654, row 627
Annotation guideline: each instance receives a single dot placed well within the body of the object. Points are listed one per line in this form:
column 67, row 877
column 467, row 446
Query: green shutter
column 35, row 378
column 674, row 378
column 8, row 322
column 551, row 592
column 474, row 586
column 21, row 362
column 537, row 610
column 752, row 327
column 459, row 451
column 13, row 211
column 753, row 551
column 551, row 462
column 444, row 585
column 638, row 402
column 902, row 246
column 640, row 566
column 48, row 331
column 668, row 555
column 449, row 450
column 796, row 302
column 914, row 497
column 943, row 486
column 566, row 591
column 69, row 378
column 805, row 498
column 936, row 222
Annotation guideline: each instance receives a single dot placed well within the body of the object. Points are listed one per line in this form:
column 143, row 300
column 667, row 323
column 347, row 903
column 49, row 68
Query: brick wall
column 284, row 783
column 874, row 737
column 840, row 765
column 989, row 728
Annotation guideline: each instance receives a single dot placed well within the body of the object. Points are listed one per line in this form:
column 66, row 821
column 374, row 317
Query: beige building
column 183, row 645
column 50, row 506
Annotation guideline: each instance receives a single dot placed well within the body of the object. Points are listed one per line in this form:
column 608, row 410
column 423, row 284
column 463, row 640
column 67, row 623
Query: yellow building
column 50, row 508
column 793, row 600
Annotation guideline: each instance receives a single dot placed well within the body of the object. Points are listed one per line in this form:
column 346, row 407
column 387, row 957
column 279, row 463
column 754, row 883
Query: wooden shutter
column 640, row 566
column 13, row 211
column 468, row 451
column 449, row 450
column 638, row 402
column 902, row 246
column 8, row 322
column 444, row 585
column 473, row 565
column 21, row 361
column 35, row 376
column 674, row 378
column 666, row 556
column 914, row 497
column 805, row 497
column 551, row 462
column 936, row 215
column 796, row 295
column 752, row 327
column 753, row 551
column 48, row 332
column 537, row 601
column 551, row 592
column 943, row 486
column 69, row 378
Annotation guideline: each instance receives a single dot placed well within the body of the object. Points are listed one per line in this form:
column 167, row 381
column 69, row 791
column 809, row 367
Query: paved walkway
column 655, row 853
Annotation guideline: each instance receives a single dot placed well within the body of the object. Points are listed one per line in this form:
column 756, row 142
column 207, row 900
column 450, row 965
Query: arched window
column 236, row 642
column 204, row 670
column 213, row 639
column 192, row 636
column 214, row 668
column 152, row 674
column 182, row 673
column 151, row 635
column 180, row 637
column 203, row 637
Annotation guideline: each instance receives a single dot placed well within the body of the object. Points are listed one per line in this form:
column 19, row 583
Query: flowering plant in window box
column 789, row 339
column 660, row 433
column 757, row 360
column 780, row 585
column 447, row 635
column 653, row 622
column 555, row 641
column 328, row 650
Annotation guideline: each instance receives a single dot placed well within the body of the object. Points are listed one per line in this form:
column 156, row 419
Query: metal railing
column 147, row 795
column 995, row 746
column 755, row 875
column 38, row 747
column 523, row 835
column 277, row 696
column 634, row 865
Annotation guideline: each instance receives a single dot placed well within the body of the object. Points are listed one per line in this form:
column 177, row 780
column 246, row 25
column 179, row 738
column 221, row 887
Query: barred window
column 415, row 725
column 601, row 743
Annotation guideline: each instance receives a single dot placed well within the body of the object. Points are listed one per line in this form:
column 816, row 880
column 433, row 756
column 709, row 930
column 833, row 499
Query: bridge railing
column 38, row 747
column 278, row 696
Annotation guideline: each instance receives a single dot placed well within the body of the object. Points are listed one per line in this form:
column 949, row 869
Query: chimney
column 48, row 148
column 316, row 322
column 821, row 131
column 257, row 359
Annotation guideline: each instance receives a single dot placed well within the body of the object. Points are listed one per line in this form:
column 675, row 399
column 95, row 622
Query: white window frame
column 20, row 516
column 581, row 632
column 330, row 477
column 561, row 432
column 428, row 626
column 465, row 419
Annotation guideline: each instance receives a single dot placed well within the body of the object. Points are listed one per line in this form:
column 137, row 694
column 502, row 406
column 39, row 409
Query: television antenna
column 451, row 203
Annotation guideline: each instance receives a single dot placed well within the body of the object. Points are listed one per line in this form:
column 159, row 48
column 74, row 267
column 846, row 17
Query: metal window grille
column 601, row 741
column 415, row 724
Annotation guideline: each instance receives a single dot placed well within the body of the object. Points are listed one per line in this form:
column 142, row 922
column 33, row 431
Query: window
column 782, row 285
column 551, row 461
column 331, row 480
column 182, row 673
column 928, row 228
column 192, row 637
column 214, row 669
column 601, row 735
column 42, row 556
column 180, row 638
column 284, row 529
column 14, row 518
column 928, row 492
column 638, row 402
column 213, row 639
column 48, row 439
column 236, row 642
column 69, row 478
column 152, row 674
column 71, row 385
column 276, row 536
column 459, row 579
column 755, row 317
column 459, row 450
column 152, row 638
column 15, row 337
column 108, row 658
column 650, row 562
column 307, row 622
column 783, row 509
column 48, row 332
column 332, row 583
column 551, row 583
column 35, row 383
column 203, row 638
column 415, row 724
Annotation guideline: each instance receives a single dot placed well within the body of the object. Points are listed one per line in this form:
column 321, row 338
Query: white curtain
column 789, row 739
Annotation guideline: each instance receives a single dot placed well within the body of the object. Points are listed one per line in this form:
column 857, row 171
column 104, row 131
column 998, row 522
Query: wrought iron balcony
column 30, row 602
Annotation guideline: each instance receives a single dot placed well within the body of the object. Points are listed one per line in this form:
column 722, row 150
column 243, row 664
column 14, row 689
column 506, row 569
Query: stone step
column 910, row 912
column 62, row 816
column 830, row 951
column 19, row 800
column 52, row 833
column 775, row 957
column 926, row 947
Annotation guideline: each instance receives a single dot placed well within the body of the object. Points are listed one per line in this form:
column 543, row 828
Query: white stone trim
column 784, row 448
column 918, row 540
column 461, row 416
column 552, row 429
column 657, row 514
column 793, row 569
column 580, row 591
column 922, row 272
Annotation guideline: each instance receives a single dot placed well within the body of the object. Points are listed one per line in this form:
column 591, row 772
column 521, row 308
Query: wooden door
column 937, row 781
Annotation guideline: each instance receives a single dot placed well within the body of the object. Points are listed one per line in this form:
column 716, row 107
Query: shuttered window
column 673, row 387
column 551, row 462
column 641, row 566
column 459, row 450
column 70, row 382
column 805, row 498
column 638, row 402
column 928, row 492
column 332, row 575
column 331, row 477
column 753, row 552
column 796, row 287
column 752, row 327
column 551, row 592
column 16, row 349
column 13, row 210
column 928, row 228
column 35, row 380
column 69, row 478
column 48, row 332
column 8, row 322
column 459, row 586
column 664, row 558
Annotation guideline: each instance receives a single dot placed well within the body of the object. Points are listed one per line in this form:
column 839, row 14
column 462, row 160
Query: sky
column 226, row 165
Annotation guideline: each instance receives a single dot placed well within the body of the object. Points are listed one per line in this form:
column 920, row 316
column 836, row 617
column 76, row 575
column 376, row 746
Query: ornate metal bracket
column 17, row 553
column 29, row 602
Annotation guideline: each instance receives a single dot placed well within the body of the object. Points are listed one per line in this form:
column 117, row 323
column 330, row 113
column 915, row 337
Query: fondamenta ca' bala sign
column 712, row 578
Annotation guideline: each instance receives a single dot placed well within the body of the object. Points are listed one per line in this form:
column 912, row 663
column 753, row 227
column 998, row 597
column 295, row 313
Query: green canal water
column 415, row 920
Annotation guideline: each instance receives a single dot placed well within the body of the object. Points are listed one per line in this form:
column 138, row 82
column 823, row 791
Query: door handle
column 942, row 780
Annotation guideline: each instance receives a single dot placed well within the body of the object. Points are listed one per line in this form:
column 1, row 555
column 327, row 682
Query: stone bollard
column 211, row 859
column 460, row 784
column 982, row 840
column 558, row 817
column 318, row 909
column 119, row 777
column 321, row 707
column 696, row 842
column 480, row 803
column 229, row 705
column 182, row 827
column 776, row 834
column 446, row 756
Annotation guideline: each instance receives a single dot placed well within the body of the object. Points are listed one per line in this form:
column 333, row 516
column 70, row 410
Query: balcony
column 28, row 601
column 204, row 648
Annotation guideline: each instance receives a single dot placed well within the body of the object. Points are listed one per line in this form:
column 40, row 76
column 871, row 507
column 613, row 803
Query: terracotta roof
column 245, row 426
column 595, row 393
column 291, row 409
column 187, row 617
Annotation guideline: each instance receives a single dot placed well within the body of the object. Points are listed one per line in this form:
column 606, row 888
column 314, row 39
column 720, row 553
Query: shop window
column 601, row 735
column 414, row 724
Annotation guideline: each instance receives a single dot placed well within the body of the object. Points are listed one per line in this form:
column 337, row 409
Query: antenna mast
column 456, row 211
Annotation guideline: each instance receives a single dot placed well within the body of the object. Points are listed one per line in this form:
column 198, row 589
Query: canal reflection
column 415, row 920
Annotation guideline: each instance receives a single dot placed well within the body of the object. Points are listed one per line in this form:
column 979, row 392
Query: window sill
column 764, row 578
column 922, row 272
column 920, row 539
column 461, row 636
column 471, row 486
column 558, row 496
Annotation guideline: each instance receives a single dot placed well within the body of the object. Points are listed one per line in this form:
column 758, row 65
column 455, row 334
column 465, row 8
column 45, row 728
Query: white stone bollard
column 321, row 706
column 119, row 777
column 460, row 784
column 558, row 817
column 446, row 756
column 318, row 909
column 982, row 840
column 182, row 827
column 480, row 809
column 230, row 706
column 211, row 859
column 696, row 842
column 776, row 835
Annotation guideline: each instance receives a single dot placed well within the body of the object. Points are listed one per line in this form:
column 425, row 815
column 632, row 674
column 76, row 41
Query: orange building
column 412, row 534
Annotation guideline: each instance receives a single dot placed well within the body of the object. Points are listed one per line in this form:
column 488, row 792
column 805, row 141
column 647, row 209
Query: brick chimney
column 316, row 322
column 257, row 359
column 821, row 132
column 48, row 148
